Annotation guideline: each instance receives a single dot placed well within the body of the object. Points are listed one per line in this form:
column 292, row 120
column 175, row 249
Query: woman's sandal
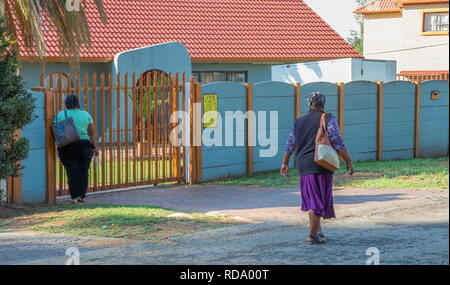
column 315, row 239
column 321, row 234
column 81, row 200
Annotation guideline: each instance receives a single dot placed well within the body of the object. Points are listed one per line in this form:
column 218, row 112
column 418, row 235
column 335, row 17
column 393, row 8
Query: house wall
column 382, row 36
column 428, row 58
column 337, row 70
column 30, row 71
column 397, row 36
column 255, row 72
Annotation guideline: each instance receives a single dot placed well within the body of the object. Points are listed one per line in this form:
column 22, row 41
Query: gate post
column 341, row 92
column 14, row 184
column 380, row 94
column 250, row 126
column 50, row 149
column 297, row 108
column 197, row 131
column 192, row 149
column 417, row 122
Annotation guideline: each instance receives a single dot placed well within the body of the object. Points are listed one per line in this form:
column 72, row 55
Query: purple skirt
column 316, row 192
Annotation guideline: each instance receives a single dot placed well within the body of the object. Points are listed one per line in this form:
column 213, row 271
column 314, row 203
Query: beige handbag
column 325, row 155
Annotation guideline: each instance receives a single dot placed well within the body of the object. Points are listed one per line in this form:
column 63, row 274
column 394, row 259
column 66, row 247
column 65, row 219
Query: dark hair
column 72, row 102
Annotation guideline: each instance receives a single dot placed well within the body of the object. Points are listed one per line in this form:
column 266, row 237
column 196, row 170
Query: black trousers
column 76, row 159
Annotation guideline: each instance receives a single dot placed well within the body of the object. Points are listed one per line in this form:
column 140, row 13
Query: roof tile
column 378, row 6
column 232, row 29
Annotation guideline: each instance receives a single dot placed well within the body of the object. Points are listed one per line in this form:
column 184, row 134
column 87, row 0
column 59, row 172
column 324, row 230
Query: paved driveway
column 258, row 203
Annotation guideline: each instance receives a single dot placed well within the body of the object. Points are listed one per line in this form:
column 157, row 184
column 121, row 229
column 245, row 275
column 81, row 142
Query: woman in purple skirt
column 316, row 182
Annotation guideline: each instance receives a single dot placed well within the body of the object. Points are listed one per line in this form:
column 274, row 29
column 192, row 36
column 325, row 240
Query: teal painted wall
column 222, row 161
column 31, row 71
column 398, row 120
column 360, row 119
column 434, row 126
column 267, row 97
column 33, row 180
column 170, row 57
column 256, row 72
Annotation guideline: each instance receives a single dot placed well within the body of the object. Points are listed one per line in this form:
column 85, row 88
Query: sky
column 337, row 13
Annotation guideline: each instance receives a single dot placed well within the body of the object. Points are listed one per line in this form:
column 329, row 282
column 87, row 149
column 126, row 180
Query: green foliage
column 356, row 41
column 142, row 97
column 356, row 38
column 16, row 107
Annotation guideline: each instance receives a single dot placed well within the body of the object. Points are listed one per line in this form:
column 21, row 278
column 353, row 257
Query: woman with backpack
column 76, row 157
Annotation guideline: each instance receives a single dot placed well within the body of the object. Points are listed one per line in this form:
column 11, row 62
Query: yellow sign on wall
column 210, row 109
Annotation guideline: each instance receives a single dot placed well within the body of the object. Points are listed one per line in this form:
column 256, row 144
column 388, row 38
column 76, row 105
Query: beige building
column 412, row 32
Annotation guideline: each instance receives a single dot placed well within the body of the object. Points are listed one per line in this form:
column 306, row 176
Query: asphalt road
column 406, row 232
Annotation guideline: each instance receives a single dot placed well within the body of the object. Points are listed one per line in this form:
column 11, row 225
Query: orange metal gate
column 132, row 118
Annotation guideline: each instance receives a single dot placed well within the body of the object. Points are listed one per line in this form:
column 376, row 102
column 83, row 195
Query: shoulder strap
column 322, row 122
column 65, row 113
column 56, row 120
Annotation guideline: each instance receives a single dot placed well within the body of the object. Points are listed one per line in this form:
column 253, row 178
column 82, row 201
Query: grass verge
column 130, row 222
column 398, row 174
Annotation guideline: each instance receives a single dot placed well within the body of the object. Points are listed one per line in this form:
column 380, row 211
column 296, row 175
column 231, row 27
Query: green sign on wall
column 210, row 109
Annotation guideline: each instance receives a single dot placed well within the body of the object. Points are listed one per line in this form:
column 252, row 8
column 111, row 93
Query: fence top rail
column 77, row 82
column 98, row 88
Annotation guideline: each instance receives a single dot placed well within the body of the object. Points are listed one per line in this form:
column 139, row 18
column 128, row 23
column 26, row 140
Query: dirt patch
column 37, row 219
column 177, row 228
column 344, row 177
column 410, row 178
column 22, row 217
column 11, row 211
column 171, row 228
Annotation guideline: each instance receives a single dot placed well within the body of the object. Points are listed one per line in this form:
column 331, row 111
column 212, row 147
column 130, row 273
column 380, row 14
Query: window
column 435, row 22
column 211, row 76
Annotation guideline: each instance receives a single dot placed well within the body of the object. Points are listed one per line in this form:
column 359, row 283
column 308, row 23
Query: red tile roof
column 213, row 30
column 378, row 6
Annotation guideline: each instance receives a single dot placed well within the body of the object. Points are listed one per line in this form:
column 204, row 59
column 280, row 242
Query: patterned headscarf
column 317, row 99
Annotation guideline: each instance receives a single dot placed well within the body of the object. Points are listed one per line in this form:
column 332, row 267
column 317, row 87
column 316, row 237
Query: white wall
column 339, row 70
column 382, row 35
column 397, row 36
column 435, row 54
